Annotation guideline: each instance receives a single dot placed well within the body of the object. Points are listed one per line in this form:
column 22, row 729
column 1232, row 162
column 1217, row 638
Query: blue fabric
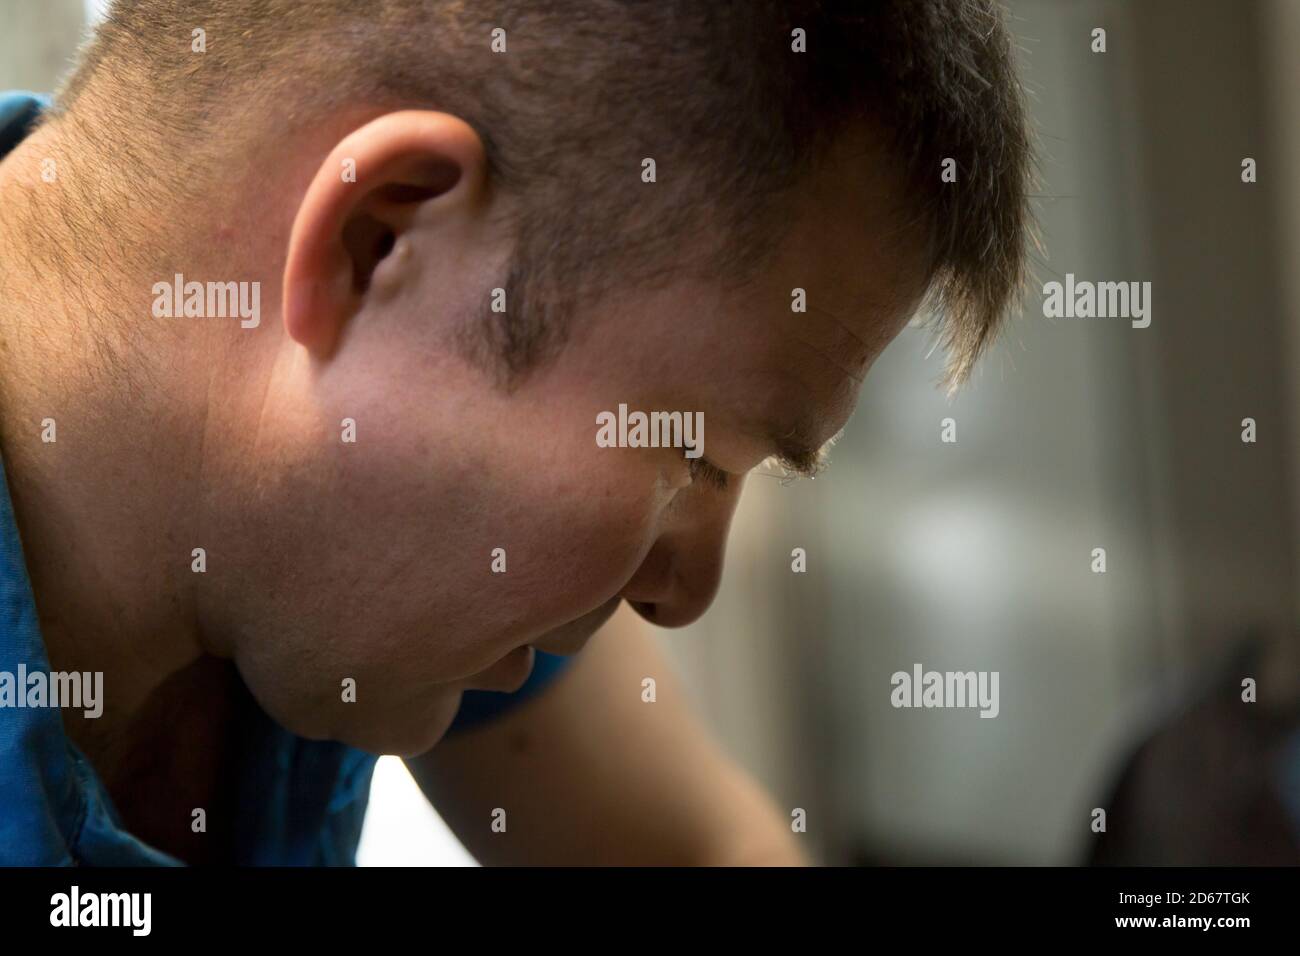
column 482, row 706
column 300, row 802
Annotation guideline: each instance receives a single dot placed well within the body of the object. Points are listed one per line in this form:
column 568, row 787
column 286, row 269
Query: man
column 311, row 312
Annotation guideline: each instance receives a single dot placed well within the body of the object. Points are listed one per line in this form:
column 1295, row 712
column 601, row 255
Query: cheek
column 460, row 525
column 573, row 542
column 464, row 558
column 575, row 520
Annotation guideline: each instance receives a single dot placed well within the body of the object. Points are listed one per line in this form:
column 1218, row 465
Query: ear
column 381, row 182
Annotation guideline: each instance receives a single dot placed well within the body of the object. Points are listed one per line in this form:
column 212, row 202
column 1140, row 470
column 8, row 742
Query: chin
column 403, row 736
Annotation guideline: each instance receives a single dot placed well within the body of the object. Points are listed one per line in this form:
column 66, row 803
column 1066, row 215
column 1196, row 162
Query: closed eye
column 702, row 470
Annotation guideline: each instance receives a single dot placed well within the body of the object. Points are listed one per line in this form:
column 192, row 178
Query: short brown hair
column 589, row 87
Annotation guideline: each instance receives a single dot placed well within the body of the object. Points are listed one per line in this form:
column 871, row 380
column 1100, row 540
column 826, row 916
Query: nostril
column 645, row 609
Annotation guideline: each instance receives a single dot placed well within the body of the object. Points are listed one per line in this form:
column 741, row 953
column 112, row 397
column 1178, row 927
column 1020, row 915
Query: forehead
column 786, row 351
column 859, row 257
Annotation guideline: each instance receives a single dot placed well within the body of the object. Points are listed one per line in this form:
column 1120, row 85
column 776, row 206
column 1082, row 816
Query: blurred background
column 1119, row 690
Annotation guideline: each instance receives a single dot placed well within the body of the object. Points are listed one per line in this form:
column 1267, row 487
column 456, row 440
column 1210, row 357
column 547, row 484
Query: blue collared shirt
column 300, row 802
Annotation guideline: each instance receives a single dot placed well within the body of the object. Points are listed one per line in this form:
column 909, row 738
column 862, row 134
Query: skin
column 372, row 560
column 657, row 788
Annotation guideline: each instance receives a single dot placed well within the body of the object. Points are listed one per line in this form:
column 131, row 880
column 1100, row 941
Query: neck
column 110, row 508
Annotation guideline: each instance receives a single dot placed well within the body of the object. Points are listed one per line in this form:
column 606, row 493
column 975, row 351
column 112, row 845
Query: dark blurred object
column 1216, row 784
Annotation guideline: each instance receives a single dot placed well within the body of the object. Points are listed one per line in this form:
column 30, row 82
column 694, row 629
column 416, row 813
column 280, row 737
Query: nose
column 679, row 577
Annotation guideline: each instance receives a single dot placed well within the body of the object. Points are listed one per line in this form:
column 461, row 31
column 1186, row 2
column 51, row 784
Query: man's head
column 386, row 165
